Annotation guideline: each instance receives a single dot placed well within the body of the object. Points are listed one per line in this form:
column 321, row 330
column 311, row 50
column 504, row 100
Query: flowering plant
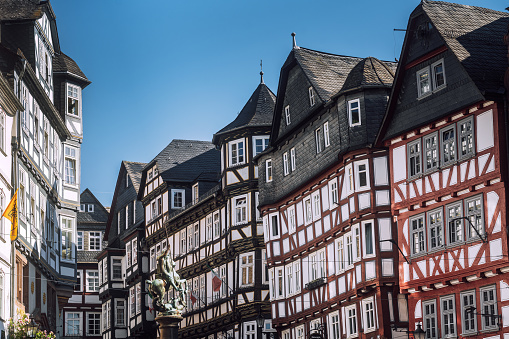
column 18, row 328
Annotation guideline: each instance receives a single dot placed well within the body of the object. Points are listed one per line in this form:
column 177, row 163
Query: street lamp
column 32, row 328
column 260, row 321
column 418, row 332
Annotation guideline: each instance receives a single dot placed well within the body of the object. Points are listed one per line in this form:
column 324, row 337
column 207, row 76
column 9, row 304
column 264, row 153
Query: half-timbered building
column 123, row 264
column 46, row 159
column 82, row 314
column 214, row 230
column 324, row 198
column 446, row 132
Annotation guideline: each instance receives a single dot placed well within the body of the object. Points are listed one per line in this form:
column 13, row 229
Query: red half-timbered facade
column 324, row 197
column 445, row 129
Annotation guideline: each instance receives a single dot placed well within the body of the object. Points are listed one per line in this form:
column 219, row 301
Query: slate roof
column 258, row 111
column 134, row 169
column 186, row 160
column 370, row 72
column 99, row 216
column 64, row 64
column 476, row 36
column 12, row 10
column 326, row 72
column 87, row 256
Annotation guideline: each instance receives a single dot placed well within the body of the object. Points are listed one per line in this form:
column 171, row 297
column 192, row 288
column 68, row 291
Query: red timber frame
column 469, row 265
column 297, row 309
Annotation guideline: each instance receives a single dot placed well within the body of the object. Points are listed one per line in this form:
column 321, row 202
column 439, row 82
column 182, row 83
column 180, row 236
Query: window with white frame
column 311, row 96
column 349, row 249
column 127, row 216
column 357, row 234
column 92, row 280
column 78, row 286
column 260, row 143
column 429, row 319
column 296, row 276
column 289, row 280
column 280, row 282
column 369, row 238
column 293, row 163
column 430, row 144
column 334, row 325
column 217, row 225
column 138, row 298
column 246, row 269
column 272, row 284
column 287, row 115
column 274, row 225
column 268, row 170
column 361, row 175
column 418, row 232
column 326, row 137
column 319, row 140
column 94, row 241
column 153, row 258
column 438, row 72
column 90, row 207
column 448, row 145
column 82, row 207
column 468, row 317
column 195, row 193
column 237, row 152
column 340, row 255
column 105, row 271
column 368, row 307
column 423, row 82
column 208, row 227
column 265, row 268
column 183, row 241
column 196, row 235
column 190, row 238
column 257, row 204
column 308, row 211
column 119, row 312
column 414, row 158
column 116, row 268
column 315, row 324
column 73, row 106
column 72, row 324
column 132, row 302
column 489, row 310
column 474, row 214
column 454, row 223
column 354, row 112
column 128, row 254
column 67, row 239
column 292, row 225
column 285, row 334
column 70, row 165
column 351, row 321
column 135, row 251
column 299, row 332
column 79, row 244
column 448, row 317
column 240, row 212
column 316, row 205
column 435, row 229
column 466, row 138
column 118, row 222
column 250, row 330
column 317, row 264
column 177, row 198
column 286, row 165
column 93, row 324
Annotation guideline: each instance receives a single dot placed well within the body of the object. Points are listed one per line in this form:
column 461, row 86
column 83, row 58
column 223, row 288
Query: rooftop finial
column 261, row 72
column 294, row 42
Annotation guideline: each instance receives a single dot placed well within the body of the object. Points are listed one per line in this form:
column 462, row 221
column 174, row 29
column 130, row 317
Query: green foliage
column 18, row 328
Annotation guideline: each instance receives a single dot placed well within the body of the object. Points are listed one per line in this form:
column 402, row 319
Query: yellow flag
column 11, row 213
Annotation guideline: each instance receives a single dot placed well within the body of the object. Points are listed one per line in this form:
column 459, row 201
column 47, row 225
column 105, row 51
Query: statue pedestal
column 168, row 326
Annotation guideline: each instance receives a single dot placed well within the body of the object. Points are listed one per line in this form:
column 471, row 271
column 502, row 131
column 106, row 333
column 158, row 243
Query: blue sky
column 164, row 70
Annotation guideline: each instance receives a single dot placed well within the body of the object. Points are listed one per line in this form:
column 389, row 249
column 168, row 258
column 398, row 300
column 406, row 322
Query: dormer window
column 354, row 112
column 311, row 96
column 287, row 115
column 260, row 144
column 438, row 75
column 431, row 79
column 195, row 193
column 177, row 198
column 72, row 100
column 90, row 208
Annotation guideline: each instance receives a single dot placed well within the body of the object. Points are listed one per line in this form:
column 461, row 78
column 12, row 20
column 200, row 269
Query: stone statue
column 167, row 277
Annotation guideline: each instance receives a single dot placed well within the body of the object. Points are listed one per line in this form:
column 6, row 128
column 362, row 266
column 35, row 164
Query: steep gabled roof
column 14, row 10
column 326, row 72
column 476, row 36
column 134, row 169
column 62, row 63
column 185, row 160
column 100, row 214
column 370, row 72
column 257, row 112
